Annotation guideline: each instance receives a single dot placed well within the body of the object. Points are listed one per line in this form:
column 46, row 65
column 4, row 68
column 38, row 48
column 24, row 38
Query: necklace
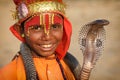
column 61, row 68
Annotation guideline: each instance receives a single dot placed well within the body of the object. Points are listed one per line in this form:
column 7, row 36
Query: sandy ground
column 79, row 13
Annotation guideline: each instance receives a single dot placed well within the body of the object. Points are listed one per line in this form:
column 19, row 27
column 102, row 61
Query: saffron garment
column 47, row 69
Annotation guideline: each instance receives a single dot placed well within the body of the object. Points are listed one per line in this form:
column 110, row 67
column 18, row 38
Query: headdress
column 27, row 8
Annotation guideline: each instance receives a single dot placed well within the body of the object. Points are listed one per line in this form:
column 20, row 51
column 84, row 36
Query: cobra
column 92, row 37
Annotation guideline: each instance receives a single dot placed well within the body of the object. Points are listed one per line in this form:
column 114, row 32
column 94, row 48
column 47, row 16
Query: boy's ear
column 17, row 30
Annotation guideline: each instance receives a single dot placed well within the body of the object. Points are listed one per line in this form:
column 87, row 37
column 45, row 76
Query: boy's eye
column 36, row 27
column 56, row 26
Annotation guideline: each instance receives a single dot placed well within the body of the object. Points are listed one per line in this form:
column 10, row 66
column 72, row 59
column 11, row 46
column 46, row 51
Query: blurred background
column 79, row 13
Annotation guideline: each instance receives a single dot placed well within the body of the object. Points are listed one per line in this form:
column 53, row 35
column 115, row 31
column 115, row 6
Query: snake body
column 30, row 69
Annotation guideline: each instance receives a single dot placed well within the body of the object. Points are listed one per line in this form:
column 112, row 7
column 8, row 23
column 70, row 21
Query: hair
column 23, row 23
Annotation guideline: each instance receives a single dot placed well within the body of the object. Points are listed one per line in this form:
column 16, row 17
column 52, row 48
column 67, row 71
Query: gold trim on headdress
column 46, row 6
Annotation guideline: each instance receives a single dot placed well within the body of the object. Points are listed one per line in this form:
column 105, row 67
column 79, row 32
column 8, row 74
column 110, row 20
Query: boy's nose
column 46, row 36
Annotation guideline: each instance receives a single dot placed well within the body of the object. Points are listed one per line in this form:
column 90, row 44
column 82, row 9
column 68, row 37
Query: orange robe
column 47, row 69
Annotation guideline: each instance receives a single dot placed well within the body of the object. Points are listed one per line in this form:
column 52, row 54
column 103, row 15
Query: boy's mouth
column 47, row 47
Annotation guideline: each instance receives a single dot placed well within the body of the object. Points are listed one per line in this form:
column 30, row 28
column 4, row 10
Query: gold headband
column 46, row 6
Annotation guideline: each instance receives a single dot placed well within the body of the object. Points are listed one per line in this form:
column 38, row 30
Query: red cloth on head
column 64, row 45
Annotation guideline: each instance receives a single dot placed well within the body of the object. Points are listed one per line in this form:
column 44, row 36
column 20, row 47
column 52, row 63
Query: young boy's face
column 43, row 33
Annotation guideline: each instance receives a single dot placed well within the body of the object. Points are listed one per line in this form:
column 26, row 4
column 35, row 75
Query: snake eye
column 83, row 42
